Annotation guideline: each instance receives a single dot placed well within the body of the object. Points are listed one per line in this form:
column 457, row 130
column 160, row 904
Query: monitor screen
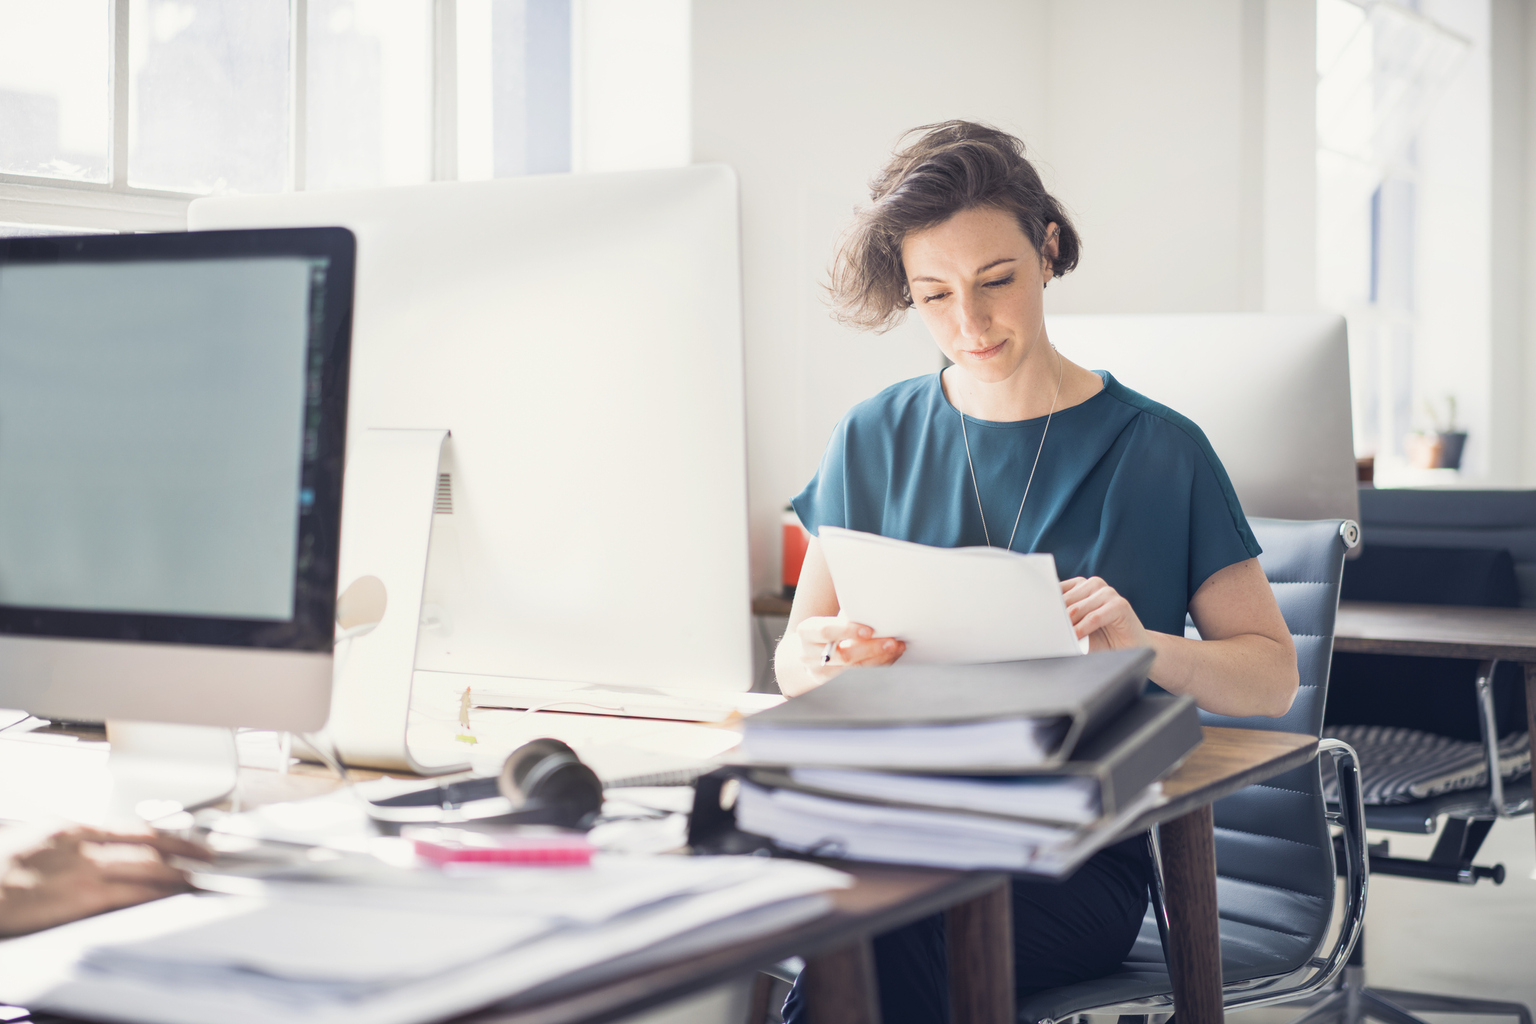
column 161, row 428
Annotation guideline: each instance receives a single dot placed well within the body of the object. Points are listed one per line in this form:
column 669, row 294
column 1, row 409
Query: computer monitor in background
column 172, row 425
column 1270, row 391
column 579, row 336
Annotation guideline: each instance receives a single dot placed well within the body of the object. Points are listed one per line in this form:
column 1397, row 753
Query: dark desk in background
column 1445, row 631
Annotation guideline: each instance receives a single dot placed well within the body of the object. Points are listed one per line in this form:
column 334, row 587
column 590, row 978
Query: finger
column 1081, row 588
column 127, row 894
column 827, row 628
column 162, row 843
column 876, row 651
column 1067, row 585
column 142, row 872
column 1091, row 601
column 1101, row 618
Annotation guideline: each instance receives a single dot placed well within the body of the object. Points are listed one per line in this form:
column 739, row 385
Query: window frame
column 116, row 206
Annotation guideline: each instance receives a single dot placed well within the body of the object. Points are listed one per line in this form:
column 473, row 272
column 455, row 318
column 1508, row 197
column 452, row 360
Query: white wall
column 1514, row 236
column 1145, row 142
column 630, row 103
column 1452, row 260
column 1182, row 136
column 1527, row 288
column 806, row 99
column 1507, row 35
column 1179, row 135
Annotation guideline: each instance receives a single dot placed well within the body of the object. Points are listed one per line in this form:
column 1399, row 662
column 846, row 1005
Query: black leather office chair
column 1274, row 855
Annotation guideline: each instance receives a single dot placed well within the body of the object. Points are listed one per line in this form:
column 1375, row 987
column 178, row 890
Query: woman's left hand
column 1098, row 612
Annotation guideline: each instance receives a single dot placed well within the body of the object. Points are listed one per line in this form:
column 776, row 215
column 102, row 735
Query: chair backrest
column 1445, row 518
column 1274, row 857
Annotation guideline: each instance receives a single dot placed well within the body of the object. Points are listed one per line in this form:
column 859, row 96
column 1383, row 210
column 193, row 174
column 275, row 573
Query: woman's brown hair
column 953, row 166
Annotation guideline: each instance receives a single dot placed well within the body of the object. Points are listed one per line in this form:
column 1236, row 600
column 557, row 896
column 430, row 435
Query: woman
column 1015, row 446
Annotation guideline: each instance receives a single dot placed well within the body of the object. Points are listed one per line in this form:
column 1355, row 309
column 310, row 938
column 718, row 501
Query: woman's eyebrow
column 981, row 270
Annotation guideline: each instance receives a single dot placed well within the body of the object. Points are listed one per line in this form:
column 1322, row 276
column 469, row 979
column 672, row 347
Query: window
column 114, row 114
column 1402, row 161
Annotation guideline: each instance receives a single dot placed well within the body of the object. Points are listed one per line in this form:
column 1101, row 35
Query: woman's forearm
column 792, row 677
column 1242, row 675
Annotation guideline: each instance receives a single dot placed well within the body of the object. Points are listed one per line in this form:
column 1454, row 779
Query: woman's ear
column 1048, row 252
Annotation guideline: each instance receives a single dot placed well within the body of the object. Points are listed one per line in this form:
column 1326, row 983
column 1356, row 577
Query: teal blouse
column 1126, row 489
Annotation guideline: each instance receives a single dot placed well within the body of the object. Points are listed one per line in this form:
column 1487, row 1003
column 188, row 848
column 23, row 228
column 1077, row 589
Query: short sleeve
column 1219, row 535
column 824, row 502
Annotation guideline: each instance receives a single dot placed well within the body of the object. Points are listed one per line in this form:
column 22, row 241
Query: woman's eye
column 935, row 296
column 1000, row 282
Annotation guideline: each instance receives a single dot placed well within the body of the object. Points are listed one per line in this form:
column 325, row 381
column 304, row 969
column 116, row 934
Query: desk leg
column 979, row 936
column 1194, row 937
column 840, row 986
column 1530, row 705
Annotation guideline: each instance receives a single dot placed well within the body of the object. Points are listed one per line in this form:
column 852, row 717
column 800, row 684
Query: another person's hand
column 1099, row 612
column 85, row 871
column 853, row 644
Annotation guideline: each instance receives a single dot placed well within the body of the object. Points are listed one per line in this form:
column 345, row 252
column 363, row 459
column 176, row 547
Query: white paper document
column 955, row 606
column 1004, row 743
column 355, row 954
column 1070, row 799
column 904, row 835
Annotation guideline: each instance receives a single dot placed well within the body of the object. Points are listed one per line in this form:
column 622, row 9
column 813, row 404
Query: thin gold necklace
column 1060, row 369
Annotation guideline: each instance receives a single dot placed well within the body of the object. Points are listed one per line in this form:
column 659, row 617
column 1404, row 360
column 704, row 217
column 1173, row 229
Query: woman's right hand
column 852, row 644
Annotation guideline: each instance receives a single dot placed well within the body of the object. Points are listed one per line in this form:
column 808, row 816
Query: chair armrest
column 1351, row 818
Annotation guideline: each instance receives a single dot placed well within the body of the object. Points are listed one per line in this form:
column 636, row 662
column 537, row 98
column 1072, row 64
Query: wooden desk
column 839, row 970
column 1445, row 631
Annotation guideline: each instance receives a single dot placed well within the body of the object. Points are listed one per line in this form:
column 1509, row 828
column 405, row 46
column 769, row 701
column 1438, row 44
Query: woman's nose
column 974, row 319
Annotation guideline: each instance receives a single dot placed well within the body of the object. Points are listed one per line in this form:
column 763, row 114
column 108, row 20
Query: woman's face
column 978, row 284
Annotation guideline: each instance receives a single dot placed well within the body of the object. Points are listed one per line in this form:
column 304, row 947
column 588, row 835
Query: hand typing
column 85, row 871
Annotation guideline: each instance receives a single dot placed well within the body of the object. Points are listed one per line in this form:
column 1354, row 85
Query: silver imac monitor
column 1270, row 391
column 172, row 424
column 579, row 337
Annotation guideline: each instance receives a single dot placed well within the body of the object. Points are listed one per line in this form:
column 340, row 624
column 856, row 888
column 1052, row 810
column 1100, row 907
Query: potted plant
column 1442, row 448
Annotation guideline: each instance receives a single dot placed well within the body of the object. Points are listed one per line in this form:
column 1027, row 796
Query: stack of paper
column 368, row 954
column 1025, row 766
column 860, row 830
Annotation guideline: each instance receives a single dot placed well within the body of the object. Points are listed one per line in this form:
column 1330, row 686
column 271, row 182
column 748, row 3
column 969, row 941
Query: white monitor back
column 580, row 336
column 1271, row 392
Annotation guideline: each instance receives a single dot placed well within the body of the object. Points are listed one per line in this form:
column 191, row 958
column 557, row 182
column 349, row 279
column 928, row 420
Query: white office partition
column 579, row 336
column 1270, row 391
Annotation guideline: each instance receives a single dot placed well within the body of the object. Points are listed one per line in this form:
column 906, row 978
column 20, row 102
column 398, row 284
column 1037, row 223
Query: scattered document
column 340, row 954
column 951, row 605
column 624, row 701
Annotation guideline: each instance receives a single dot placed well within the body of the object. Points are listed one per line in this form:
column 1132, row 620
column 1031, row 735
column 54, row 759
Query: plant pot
column 1451, row 444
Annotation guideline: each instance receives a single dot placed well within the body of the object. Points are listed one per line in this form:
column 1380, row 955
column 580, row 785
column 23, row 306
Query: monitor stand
column 159, row 769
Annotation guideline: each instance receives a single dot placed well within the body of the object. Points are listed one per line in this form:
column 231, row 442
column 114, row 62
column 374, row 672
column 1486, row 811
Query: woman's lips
column 985, row 353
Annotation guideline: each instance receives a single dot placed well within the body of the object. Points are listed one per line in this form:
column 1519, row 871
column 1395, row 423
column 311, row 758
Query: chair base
column 1353, row 1003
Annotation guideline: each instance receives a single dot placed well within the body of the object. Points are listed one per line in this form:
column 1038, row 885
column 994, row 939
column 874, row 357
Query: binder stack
column 1027, row 766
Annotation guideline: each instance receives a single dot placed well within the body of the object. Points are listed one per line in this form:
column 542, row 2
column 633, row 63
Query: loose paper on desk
column 955, row 606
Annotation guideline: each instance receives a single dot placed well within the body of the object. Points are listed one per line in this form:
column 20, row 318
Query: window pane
column 208, row 95
column 54, row 97
column 370, row 93
column 514, row 95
